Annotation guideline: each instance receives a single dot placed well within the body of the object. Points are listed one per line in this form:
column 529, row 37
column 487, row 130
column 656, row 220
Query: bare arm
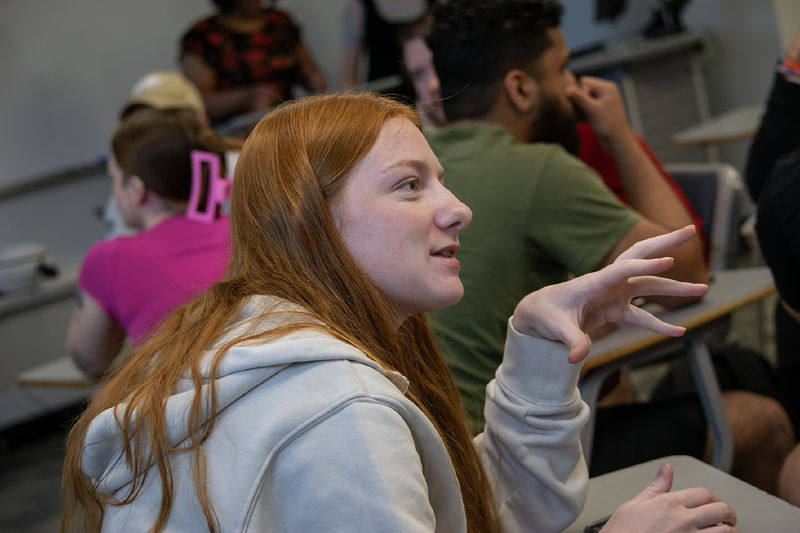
column 93, row 338
column 223, row 104
column 647, row 191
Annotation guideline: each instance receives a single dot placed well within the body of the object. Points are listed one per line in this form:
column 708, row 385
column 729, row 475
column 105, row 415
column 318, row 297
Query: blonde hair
column 285, row 244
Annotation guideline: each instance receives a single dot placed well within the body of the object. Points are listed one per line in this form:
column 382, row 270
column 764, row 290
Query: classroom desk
column 628, row 345
column 756, row 511
column 33, row 325
column 734, row 125
column 49, row 290
column 61, row 373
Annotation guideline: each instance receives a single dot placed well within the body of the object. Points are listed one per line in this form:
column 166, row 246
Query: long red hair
column 285, row 244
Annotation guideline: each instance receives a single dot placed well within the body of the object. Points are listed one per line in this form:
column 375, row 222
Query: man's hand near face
column 600, row 102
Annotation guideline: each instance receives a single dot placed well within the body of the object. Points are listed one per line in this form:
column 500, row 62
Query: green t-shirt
column 538, row 214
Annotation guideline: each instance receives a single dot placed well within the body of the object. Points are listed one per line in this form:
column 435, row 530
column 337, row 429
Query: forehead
column 399, row 141
column 398, row 134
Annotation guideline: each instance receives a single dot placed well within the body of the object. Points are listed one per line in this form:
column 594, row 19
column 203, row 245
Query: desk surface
column 756, row 510
column 734, row 125
column 59, row 373
column 49, row 290
column 729, row 290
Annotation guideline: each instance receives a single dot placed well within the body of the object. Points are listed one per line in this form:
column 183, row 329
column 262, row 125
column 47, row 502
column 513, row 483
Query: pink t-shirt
column 139, row 279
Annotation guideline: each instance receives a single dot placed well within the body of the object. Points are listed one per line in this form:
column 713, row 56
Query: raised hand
column 601, row 103
column 656, row 510
column 566, row 311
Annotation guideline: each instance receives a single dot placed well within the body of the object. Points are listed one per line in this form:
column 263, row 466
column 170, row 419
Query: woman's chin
column 447, row 300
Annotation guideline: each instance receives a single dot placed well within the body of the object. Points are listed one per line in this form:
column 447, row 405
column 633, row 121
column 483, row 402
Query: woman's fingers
column 658, row 286
column 658, row 509
column 657, row 245
column 695, row 497
column 620, row 271
column 562, row 312
column 713, row 513
column 706, row 507
column 641, row 318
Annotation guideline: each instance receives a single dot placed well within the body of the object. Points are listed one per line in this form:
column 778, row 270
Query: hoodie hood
column 244, row 367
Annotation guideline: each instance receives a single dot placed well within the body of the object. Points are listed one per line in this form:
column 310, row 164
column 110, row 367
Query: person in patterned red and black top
column 247, row 58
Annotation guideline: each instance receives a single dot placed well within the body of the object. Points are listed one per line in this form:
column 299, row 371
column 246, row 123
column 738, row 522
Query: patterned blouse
column 240, row 59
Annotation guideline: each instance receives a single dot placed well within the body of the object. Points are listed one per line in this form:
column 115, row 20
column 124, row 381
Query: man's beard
column 556, row 125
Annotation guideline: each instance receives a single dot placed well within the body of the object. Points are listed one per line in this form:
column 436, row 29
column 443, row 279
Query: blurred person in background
column 127, row 284
column 246, row 58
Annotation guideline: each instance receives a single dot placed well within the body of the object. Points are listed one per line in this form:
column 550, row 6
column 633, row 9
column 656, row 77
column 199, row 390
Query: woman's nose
column 454, row 213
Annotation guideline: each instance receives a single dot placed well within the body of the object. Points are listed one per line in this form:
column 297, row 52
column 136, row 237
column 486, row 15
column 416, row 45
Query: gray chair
column 717, row 193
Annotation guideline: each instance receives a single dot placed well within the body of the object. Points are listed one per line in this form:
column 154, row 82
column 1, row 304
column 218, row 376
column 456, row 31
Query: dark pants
column 626, row 435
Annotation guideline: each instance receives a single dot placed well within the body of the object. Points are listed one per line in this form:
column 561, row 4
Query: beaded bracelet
column 794, row 65
column 790, row 70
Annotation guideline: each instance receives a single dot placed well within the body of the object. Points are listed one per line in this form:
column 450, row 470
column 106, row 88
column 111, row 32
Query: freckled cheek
column 396, row 253
column 369, row 244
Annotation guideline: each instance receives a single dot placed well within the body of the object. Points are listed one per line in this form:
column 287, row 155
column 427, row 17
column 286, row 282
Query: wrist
column 619, row 142
column 521, row 326
column 538, row 369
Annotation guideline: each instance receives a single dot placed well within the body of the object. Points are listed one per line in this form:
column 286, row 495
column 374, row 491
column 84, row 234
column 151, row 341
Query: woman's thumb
column 660, row 485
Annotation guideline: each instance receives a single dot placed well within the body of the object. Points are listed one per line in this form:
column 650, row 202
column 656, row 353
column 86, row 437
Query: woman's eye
column 410, row 185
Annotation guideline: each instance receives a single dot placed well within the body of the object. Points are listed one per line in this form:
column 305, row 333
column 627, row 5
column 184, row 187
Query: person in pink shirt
column 129, row 283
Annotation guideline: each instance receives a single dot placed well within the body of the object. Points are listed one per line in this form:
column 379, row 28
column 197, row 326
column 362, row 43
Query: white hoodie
column 311, row 435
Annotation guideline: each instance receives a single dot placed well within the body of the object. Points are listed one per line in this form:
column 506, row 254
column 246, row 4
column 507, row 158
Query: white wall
column 581, row 30
column 745, row 46
column 67, row 66
column 739, row 65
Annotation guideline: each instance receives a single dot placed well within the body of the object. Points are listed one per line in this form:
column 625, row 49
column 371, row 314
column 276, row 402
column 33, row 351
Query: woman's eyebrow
column 417, row 164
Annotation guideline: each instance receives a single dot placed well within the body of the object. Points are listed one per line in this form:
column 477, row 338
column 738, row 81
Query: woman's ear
column 137, row 190
column 521, row 89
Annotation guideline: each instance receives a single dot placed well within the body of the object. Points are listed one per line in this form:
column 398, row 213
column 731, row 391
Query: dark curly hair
column 476, row 42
